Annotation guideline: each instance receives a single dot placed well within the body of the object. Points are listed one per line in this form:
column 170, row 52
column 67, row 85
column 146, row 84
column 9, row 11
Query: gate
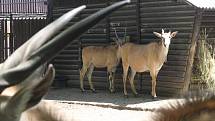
column 14, row 31
column 19, row 20
column 5, row 39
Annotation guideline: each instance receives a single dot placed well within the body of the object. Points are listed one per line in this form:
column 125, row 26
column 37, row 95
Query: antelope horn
column 125, row 32
column 162, row 31
column 117, row 37
column 51, row 48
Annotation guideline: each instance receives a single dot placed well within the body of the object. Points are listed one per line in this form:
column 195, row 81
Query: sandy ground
column 103, row 106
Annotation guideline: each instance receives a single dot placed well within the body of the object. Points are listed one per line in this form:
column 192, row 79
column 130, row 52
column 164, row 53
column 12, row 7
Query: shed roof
column 204, row 4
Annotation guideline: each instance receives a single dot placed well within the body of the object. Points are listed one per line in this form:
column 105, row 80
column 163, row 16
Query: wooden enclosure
column 140, row 18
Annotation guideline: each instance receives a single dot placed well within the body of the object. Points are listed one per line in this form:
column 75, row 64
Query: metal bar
column 21, row 6
column 11, row 45
column 6, row 3
column 9, row 5
column 50, row 8
column 4, row 21
column 2, row 38
column 5, row 39
column 18, row 6
column 34, row 4
column 0, row 6
column 28, row 6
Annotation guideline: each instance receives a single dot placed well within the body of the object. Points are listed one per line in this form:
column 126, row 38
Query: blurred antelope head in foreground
column 196, row 108
column 22, row 77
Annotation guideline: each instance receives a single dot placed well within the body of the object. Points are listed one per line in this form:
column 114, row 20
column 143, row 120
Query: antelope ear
column 38, row 89
column 42, row 87
column 174, row 34
column 17, row 103
column 117, row 41
column 127, row 39
column 162, row 31
column 157, row 34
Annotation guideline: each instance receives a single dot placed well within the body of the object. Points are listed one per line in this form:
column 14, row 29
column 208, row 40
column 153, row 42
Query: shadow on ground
column 102, row 96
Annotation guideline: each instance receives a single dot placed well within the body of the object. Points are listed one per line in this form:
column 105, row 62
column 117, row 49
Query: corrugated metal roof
column 205, row 4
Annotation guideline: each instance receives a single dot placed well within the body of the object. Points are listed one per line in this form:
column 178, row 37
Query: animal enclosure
column 140, row 18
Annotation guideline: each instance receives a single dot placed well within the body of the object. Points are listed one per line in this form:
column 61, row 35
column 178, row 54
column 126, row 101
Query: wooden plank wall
column 23, row 29
column 141, row 18
column 209, row 23
column 96, row 36
column 68, row 61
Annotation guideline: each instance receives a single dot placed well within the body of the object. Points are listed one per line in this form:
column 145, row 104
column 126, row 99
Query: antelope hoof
column 154, row 98
column 112, row 90
column 93, row 90
column 136, row 95
column 83, row 90
column 125, row 95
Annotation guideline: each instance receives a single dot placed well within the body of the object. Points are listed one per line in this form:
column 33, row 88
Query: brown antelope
column 22, row 79
column 99, row 57
column 149, row 57
column 198, row 108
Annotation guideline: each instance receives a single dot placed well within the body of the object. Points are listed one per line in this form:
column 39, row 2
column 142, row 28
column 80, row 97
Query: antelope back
column 198, row 108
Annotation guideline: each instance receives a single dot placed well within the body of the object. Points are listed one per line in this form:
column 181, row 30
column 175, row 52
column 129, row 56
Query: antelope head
column 120, row 41
column 166, row 37
column 25, row 68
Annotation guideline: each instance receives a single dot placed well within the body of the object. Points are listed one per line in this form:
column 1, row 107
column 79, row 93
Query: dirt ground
column 103, row 106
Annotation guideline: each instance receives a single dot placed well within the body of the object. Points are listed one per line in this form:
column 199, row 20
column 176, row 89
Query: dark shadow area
column 102, row 96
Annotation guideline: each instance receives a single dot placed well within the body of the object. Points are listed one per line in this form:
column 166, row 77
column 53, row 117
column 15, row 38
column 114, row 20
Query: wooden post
column 108, row 27
column 80, row 42
column 195, row 37
column 140, row 76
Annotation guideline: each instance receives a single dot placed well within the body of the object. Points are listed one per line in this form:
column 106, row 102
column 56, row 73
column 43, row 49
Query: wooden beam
column 195, row 37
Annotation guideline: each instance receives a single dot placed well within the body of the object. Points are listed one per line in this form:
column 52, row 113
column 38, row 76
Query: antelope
column 141, row 58
column 197, row 108
column 24, row 79
column 100, row 57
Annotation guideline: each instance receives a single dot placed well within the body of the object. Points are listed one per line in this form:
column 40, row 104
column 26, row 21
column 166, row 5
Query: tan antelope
column 23, row 77
column 141, row 58
column 100, row 57
column 197, row 108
